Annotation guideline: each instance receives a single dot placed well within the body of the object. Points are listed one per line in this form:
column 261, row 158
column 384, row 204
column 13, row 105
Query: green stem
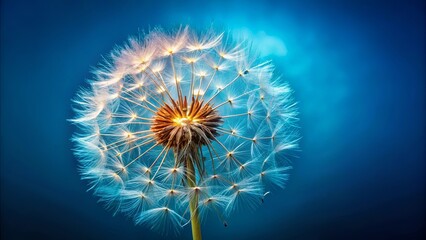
column 193, row 203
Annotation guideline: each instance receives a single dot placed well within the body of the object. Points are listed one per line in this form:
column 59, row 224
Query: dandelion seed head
column 178, row 116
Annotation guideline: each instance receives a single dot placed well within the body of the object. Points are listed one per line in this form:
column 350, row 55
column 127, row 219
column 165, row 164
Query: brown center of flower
column 178, row 125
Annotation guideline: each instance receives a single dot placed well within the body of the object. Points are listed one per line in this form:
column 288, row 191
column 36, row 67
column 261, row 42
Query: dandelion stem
column 193, row 203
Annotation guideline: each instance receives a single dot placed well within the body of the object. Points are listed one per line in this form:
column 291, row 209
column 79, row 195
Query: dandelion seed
column 183, row 125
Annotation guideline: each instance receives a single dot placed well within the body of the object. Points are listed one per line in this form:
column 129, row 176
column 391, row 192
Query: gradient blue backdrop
column 358, row 71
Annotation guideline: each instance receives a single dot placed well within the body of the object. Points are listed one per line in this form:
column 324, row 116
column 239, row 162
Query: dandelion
column 177, row 126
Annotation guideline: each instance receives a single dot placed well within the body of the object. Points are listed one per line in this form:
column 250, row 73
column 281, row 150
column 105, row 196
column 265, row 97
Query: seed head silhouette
column 177, row 126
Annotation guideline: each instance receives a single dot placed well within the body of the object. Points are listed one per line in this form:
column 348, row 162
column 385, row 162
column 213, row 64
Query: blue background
column 358, row 71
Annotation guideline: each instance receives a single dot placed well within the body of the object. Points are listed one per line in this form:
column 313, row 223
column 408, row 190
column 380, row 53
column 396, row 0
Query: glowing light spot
column 114, row 96
column 169, row 51
column 182, row 121
column 116, row 176
column 123, row 169
column 202, row 74
column 198, row 92
column 191, row 60
column 145, row 59
column 128, row 134
column 161, row 90
column 157, row 69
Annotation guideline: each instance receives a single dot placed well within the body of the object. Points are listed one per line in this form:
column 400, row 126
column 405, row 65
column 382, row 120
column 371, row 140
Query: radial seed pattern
column 168, row 108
